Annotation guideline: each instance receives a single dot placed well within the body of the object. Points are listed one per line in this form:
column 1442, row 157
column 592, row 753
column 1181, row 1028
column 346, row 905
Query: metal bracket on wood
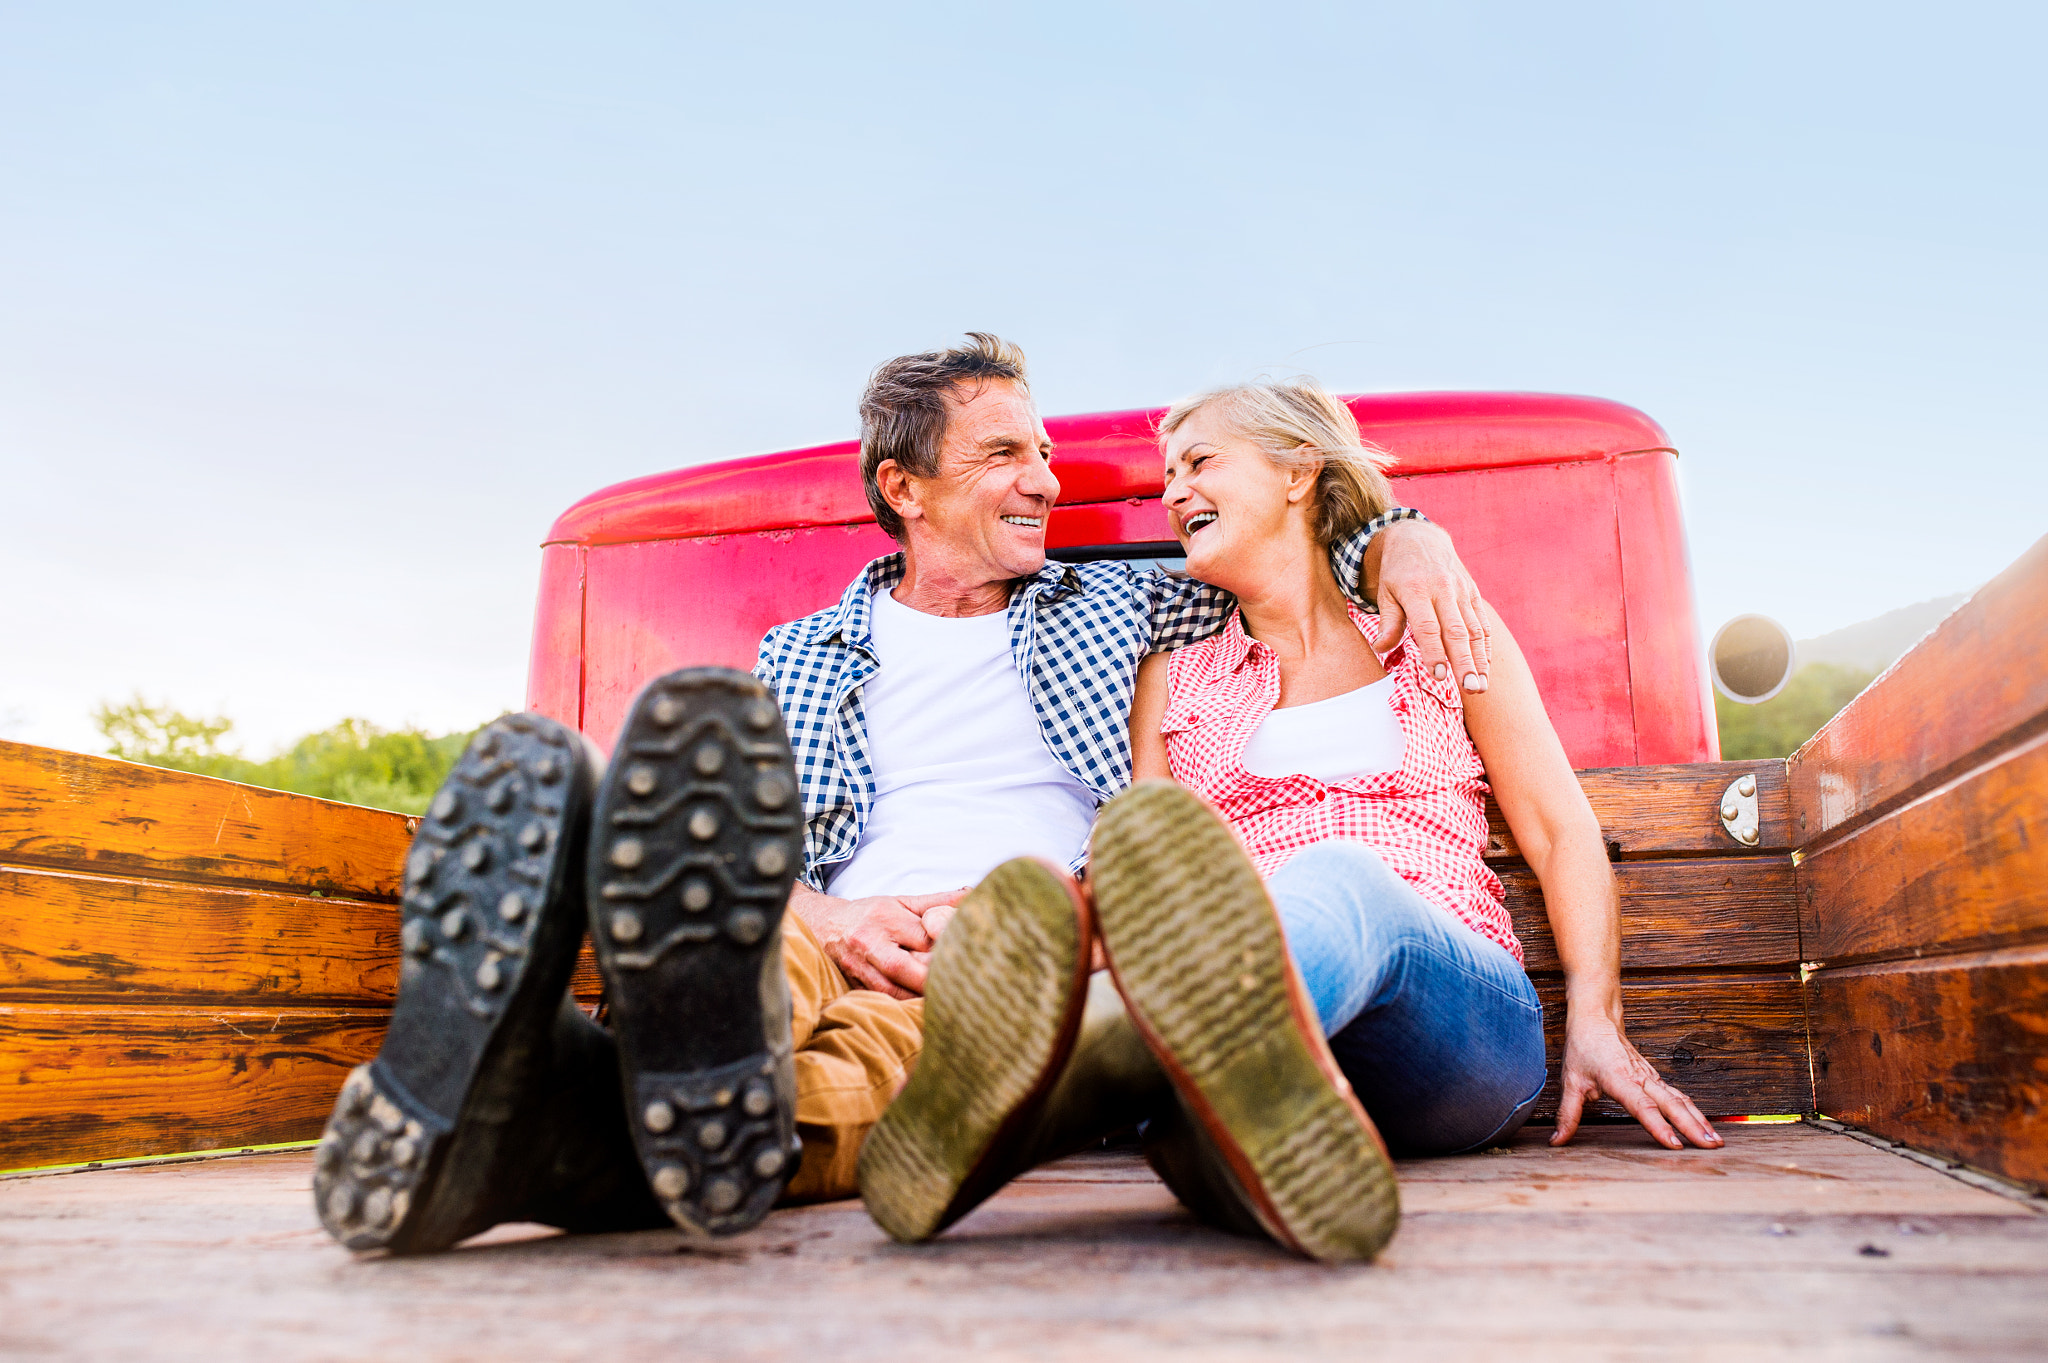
column 1739, row 811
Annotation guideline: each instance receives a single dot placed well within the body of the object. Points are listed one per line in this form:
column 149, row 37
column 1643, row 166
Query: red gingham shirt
column 1427, row 819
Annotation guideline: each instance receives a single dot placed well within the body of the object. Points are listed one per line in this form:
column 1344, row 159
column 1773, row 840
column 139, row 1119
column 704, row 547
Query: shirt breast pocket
column 1182, row 719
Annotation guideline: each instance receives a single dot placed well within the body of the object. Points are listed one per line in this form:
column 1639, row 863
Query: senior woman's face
column 1226, row 500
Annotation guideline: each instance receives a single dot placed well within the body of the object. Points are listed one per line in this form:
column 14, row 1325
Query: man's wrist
column 807, row 903
column 1390, row 516
column 1356, row 558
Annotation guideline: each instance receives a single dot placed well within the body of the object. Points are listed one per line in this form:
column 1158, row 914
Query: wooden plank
column 585, row 982
column 1964, row 867
column 84, row 1083
column 66, row 937
column 1668, row 810
column 1735, row 1043
column 1949, row 1054
column 1679, row 915
column 69, row 937
column 1784, row 1157
column 1978, row 680
column 75, row 812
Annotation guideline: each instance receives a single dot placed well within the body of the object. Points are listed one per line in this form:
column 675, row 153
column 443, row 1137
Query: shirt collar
column 1053, row 581
column 850, row 621
column 1236, row 646
column 1233, row 643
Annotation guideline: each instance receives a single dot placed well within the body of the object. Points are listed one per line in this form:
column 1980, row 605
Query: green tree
column 355, row 761
column 163, row 737
column 1815, row 695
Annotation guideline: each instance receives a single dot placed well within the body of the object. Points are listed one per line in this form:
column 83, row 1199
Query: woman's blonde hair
column 1295, row 423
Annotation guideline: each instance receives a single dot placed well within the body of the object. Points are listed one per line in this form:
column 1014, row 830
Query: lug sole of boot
column 696, row 840
column 1197, row 949
column 1003, row 1004
column 491, row 915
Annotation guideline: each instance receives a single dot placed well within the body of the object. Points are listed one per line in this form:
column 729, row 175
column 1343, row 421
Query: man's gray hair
column 903, row 411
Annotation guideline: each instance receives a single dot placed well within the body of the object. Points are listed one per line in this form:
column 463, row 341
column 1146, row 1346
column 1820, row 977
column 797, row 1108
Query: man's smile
column 1028, row 522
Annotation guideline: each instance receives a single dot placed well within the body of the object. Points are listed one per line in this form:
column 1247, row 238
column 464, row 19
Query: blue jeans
column 1437, row 1028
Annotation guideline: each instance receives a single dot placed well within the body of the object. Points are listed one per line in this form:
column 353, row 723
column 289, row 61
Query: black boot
column 434, row 1140
column 699, row 835
column 581, row 1170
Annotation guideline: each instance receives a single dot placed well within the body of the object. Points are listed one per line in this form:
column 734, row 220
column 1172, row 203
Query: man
column 964, row 703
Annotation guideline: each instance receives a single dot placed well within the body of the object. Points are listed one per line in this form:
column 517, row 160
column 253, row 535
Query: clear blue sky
column 312, row 316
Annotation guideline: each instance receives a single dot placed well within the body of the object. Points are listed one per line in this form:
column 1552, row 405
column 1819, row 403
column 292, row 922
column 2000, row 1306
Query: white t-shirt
column 963, row 779
column 1339, row 739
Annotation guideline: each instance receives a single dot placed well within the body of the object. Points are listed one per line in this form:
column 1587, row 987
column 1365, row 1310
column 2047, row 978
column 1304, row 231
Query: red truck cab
column 1565, row 509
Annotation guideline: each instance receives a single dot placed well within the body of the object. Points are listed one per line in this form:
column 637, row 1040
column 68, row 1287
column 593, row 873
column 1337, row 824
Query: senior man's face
column 988, row 505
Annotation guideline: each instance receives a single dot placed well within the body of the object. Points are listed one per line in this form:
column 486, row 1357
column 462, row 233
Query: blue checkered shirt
column 1078, row 632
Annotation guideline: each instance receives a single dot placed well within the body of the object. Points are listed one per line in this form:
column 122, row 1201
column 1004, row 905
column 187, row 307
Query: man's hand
column 881, row 943
column 1599, row 1059
column 941, row 913
column 1424, row 589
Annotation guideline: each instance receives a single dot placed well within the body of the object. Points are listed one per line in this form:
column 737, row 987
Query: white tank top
column 1339, row 739
column 963, row 779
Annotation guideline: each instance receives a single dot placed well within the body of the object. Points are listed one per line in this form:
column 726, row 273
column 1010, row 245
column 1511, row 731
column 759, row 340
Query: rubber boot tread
column 1002, row 1006
column 1198, row 951
column 413, row 1154
column 696, row 840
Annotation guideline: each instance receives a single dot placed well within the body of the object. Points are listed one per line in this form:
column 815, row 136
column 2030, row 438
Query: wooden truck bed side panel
column 1977, row 684
column 142, row 1015
column 1923, row 886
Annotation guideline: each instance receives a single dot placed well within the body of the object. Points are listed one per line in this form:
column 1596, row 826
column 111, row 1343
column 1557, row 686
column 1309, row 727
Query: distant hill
column 1874, row 645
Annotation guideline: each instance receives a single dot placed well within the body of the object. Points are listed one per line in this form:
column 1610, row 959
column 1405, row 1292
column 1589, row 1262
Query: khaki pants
column 853, row 1049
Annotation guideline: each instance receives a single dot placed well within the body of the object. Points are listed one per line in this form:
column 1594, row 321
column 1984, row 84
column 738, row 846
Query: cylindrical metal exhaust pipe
column 1753, row 658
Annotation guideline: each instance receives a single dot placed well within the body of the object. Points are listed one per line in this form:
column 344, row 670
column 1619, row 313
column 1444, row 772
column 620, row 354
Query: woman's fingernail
column 1440, row 671
column 1474, row 682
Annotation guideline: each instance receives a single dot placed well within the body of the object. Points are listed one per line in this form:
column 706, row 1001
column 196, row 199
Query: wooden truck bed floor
column 1792, row 1238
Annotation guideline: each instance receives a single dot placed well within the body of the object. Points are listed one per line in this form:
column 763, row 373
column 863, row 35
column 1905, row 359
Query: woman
column 1356, row 782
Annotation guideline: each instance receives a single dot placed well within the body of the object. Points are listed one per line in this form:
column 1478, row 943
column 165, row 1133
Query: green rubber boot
column 1199, row 956
column 1023, row 1061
